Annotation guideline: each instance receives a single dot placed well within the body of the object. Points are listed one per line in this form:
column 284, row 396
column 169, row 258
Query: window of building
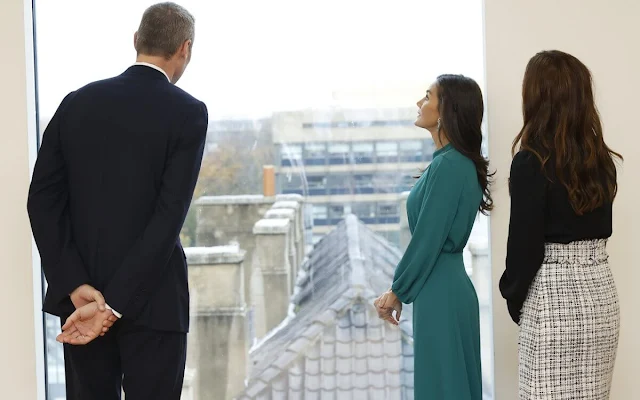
column 339, row 153
column 317, row 184
column 387, row 152
column 291, row 183
column 363, row 152
column 388, row 213
column 315, row 154
column 316, row 181
column 363, row 183
column 336, row 211
column 365, row 211
column 386, row 182
column 339, row 183
column 387, row 209
column 320, row 211
column 290, row 154
column 411, row 150
column 386, row 149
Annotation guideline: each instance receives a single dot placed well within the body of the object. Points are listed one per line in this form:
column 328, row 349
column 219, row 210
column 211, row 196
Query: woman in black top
column 557, row 282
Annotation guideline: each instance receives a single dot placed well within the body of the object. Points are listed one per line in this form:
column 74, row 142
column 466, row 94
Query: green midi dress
column 442, row 208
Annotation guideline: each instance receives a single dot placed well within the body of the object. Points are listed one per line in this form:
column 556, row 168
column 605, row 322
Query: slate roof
column 334, row 346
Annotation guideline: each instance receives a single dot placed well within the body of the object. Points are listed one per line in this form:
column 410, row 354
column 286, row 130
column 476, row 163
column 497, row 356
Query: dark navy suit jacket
column 112, row 184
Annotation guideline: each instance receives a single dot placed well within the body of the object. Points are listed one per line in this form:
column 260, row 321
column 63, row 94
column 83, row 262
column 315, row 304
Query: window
column 339, row 153
column 363, row 183
column 388, row 213
column 387, row 209
column 336, row 211
column 291, row 183
column 339, row 184
column 386, row 149
column 363, row 152
column 315, row 153
column 411, row 151
column 366, row 212
column 334, row 120
column 387, row 152
column 317, row 184
column 386, row 182
column 290, row 155
column 320, row 212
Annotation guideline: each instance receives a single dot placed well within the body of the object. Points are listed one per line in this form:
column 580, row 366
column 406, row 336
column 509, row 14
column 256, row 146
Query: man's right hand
column 86, row 294
column 86, row 324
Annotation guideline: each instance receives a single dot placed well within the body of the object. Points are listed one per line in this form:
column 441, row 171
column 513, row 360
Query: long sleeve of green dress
column 441, row 190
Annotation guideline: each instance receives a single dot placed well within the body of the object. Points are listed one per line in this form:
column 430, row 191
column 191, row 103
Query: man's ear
column 185, row 51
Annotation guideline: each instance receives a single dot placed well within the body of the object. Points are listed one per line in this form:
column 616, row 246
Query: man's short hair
column 163, row 29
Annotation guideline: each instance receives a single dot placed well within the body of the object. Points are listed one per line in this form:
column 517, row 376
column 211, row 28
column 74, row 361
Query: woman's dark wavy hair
column 562, row 128
column 461, row 111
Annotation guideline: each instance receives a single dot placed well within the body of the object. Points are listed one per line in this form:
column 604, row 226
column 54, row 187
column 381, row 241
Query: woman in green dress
column 442, row 208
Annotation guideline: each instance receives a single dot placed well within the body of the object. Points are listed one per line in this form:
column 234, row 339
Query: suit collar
column 147, row 70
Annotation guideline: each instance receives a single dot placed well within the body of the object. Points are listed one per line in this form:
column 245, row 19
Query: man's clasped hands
column 92, row 317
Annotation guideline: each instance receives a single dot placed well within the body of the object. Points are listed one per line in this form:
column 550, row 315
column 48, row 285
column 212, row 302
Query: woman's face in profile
column 428, row 113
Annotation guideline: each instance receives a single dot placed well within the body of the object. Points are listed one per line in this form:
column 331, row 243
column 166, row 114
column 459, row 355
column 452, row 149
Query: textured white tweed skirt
column 570, row 325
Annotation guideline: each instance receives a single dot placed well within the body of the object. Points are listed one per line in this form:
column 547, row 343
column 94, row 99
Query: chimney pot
column 269, row 181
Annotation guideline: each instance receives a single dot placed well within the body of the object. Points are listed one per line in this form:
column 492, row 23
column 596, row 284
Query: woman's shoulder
column 456, row 163
column 525, row 159
column 445, row 163
column 526, row 156
column 527, row 164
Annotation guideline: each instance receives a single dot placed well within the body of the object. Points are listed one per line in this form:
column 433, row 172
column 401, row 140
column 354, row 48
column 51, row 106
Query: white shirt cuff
column 117, row 314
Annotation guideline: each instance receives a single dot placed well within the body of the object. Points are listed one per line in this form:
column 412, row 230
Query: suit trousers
column 147, row 364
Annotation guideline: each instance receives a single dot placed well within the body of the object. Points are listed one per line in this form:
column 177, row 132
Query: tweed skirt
column 570, row 325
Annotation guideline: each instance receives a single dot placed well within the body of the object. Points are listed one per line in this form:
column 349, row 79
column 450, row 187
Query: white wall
column 21, row 334
column 605, row 36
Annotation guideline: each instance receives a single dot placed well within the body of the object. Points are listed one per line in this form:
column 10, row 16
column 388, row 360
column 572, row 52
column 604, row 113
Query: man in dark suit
column 110, row 191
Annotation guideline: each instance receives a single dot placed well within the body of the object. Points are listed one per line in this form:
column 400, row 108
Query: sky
column 254, row 57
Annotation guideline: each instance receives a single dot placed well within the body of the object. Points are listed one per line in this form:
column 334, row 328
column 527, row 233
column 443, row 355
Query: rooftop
column 231, row 254
column 249, row 199
column 333, row 344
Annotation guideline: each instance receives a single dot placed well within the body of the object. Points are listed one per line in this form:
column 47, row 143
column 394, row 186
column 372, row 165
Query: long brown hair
column 461, row 110
column 562, row 127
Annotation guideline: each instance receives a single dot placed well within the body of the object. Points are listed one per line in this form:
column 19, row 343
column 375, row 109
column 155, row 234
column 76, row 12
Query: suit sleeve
column 48, row 208
column 525, row 245
column 134, row 281
column 437, row 212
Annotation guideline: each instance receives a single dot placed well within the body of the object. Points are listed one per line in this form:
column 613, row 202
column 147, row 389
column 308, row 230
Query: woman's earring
column 439, row 123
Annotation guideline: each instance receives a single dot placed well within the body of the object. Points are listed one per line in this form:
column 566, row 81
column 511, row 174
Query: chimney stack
column 219, row 356
column 299, row 224
column 271, row 258
column 294, row 262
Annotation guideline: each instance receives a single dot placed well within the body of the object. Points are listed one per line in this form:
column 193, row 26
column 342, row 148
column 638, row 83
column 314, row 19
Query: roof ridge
column 358, row 276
